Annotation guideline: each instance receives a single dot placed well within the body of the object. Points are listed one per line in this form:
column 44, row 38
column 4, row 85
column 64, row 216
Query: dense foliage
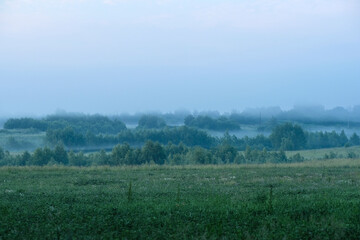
column 188, row 136
column 284, row 137
column 81, row 124
column 150, row 153
column 206, row 122
column 329, row 139
column 151, row 121
column 288, row 137
column 25, row 123
column 66, row 136
column 99, row 132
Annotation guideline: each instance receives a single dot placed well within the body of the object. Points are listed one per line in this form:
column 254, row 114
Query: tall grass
column 285, row 201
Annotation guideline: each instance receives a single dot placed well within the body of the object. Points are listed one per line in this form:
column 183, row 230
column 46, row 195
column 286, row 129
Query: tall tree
column 288, row 137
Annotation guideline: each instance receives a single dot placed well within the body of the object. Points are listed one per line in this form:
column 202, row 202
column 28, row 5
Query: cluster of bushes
column 259, row 142
column 333, row 155
column 331, row 139
column 40, row 157
column 94, row 123
column 189, row 136
column 289, row 137
column 151, row 121
column 150, row 153
column 205, row 122
column 26, row 123
column 66, row 136
column 292, row 137
column 257, row 156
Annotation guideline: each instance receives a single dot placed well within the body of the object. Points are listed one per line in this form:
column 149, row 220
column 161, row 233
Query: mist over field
column 180, row 119
column 111, row 57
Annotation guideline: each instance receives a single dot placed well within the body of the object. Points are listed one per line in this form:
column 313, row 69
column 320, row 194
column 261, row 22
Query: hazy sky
column 113, row 56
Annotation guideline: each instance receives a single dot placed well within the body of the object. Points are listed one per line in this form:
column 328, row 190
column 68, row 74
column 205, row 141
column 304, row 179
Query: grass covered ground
column 341, row 152
column 21, row 140
column 310, row 200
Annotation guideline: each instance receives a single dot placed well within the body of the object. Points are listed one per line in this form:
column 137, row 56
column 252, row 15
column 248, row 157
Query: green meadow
column 308, row 200
column 340, row 152
column 19, row 140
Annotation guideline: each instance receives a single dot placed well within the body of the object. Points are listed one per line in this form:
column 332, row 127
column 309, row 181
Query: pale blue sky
column 113, row 56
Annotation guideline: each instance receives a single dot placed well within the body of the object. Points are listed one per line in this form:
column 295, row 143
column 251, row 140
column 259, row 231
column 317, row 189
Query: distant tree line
column 206, row 122
column 290, row 136
column 186, row 135
column 151, row 121
column 100, row 124
column 100, row 131
column 81, row 124
column 153, row 153
column 150, row 153
column 212, row 120
column 283, row 137
column 330, row 139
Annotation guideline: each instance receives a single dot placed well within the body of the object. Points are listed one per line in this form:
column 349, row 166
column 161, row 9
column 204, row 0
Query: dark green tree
column 189, row 120
column 77, row 159
column 25, row 158
column 288, row 137
column 2, row 153
column 60, row 155
column 354, row 140
column 41, row 156
column 120, row 154
column 150, row 121
column 226, row 153
column 343, row 138
column 153, row 153
column 201, row 156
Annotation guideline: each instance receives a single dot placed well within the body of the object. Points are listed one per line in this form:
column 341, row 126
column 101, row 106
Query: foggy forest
column 177, row 119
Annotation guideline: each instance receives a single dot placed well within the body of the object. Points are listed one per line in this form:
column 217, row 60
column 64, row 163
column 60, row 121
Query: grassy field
column 310, row 200
column 340, row 152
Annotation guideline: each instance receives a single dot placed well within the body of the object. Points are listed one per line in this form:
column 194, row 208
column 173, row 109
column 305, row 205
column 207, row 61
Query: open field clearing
column 309, row 200
column 340, row 152
column 21, row 140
